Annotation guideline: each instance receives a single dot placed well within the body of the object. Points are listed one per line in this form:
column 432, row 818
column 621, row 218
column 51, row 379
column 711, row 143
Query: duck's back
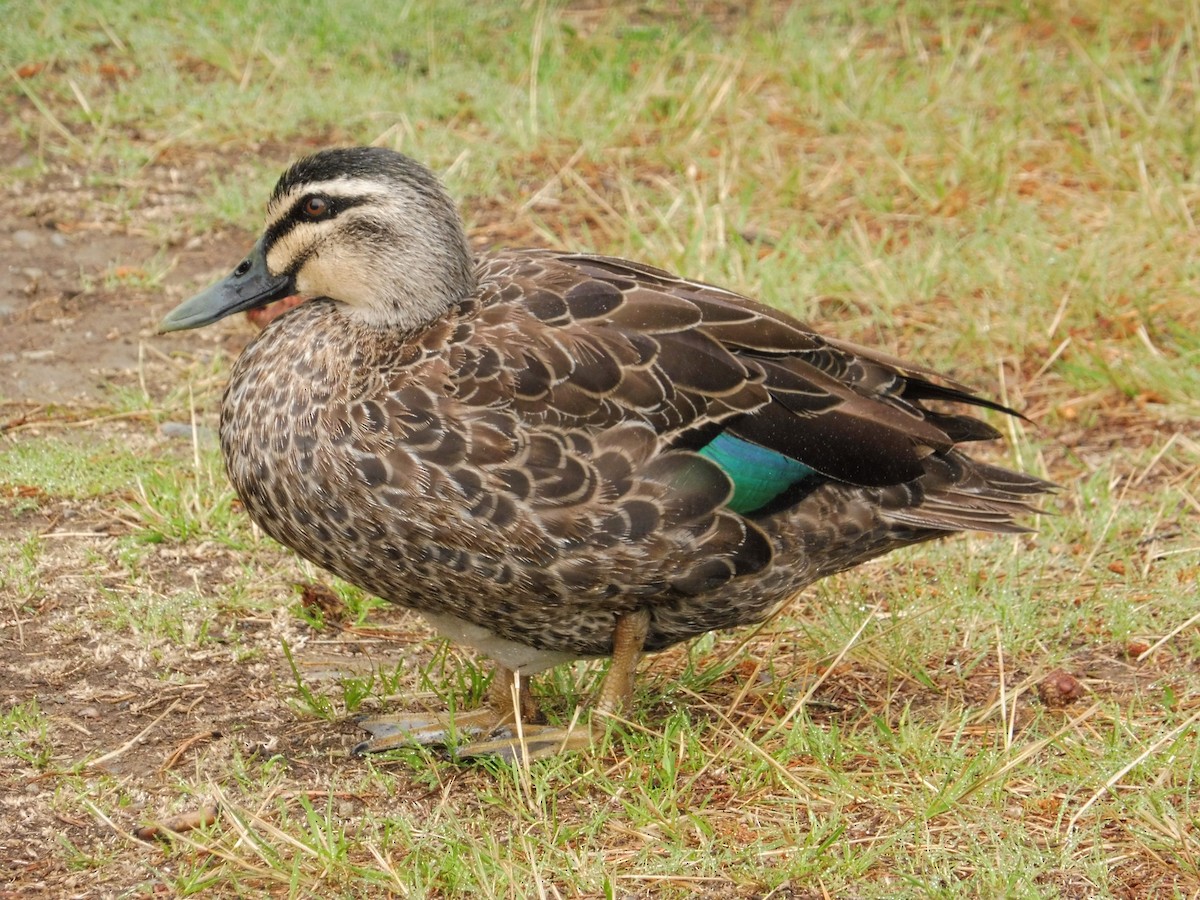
column 584, row 437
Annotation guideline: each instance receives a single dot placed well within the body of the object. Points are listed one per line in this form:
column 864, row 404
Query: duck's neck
column 394, row 292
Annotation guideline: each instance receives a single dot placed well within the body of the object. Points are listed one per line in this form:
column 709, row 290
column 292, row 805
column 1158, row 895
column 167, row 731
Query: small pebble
column 25, row 239
column 184, row 430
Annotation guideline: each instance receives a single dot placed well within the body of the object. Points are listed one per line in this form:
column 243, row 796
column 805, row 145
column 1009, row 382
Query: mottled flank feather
column 567, row 438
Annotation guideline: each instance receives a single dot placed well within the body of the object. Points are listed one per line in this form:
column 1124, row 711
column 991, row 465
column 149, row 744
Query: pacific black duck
column 556, row 456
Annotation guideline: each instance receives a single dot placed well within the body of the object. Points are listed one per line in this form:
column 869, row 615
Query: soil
column 81, row 290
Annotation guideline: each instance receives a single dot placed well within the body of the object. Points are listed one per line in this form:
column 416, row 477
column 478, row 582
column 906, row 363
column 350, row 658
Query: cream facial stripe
column 288, row 241
column 291, row 248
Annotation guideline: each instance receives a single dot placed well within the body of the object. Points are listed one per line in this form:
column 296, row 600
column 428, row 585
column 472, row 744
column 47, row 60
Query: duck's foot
column 472, row 735
column 425, row 729
column 533, row 742
column 616, row 692
column 508, row 697
column 506, row 727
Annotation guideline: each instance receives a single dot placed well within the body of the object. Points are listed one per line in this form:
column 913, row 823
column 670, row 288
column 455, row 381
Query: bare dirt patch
column 148, row 718
column 81, row 288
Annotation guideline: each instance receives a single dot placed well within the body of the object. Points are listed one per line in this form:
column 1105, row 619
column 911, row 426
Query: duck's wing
column 600, row 341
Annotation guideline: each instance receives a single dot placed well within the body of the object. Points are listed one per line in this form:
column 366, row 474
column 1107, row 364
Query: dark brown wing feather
column 626, row 341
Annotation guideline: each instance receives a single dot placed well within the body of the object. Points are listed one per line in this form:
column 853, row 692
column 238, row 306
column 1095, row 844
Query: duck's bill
column 249, row 286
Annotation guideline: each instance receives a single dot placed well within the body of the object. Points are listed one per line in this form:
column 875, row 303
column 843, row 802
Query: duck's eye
column 315, row 207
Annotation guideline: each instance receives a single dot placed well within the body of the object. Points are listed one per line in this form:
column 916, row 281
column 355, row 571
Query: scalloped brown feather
column 526, row 462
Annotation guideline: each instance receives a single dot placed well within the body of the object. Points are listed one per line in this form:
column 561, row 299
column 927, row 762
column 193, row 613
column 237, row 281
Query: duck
column 557, row 456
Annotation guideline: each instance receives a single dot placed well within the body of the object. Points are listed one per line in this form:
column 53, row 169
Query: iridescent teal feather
column 759, row 475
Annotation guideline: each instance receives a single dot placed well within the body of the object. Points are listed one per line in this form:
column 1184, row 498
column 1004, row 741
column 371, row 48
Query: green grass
column 1006, row 191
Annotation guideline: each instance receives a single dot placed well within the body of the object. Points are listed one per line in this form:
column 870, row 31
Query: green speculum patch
column 759, row 475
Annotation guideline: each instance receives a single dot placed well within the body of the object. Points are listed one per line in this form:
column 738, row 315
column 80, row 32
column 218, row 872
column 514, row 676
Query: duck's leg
column 629, row 637
column 504, row 703
column 616, row 692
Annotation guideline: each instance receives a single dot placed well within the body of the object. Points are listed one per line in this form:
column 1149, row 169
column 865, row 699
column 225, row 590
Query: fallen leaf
column 187, row 821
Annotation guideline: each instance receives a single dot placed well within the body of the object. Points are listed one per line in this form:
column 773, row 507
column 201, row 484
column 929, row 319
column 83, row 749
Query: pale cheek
column 315, row 281
column 334, row 276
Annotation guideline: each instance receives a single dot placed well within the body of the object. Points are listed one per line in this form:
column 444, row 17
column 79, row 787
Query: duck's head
column 365, row 226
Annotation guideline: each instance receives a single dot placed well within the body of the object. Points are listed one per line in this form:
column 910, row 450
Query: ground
column 75, row 322
column 79, row 324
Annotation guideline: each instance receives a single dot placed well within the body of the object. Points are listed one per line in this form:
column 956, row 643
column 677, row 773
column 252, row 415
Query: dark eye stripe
column 295, row 215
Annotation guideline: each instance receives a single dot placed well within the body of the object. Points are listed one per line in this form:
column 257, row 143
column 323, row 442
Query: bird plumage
column 530, row 446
